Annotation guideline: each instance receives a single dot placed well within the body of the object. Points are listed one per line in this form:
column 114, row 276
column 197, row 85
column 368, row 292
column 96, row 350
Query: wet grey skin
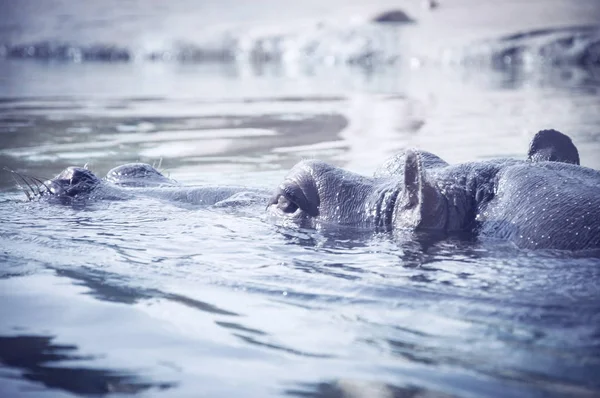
column 545, row 202
column 78, row 185
column 138, row 175
column 72, row 182
column 73, row 185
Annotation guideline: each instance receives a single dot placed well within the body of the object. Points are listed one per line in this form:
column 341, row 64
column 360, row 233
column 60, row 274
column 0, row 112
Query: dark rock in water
column 394, row 16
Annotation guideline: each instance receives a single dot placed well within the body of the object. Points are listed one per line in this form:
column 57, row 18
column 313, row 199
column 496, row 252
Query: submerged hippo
column 80, row 186
column 546, row 201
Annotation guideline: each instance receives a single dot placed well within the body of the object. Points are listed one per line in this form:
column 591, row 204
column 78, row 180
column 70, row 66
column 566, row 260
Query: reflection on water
column 352, row 388
column 144, row 297
column 37, row 357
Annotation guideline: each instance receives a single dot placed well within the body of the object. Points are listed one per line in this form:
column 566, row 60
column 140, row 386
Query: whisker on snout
column 42, row 183
column 28, row 191
column 33, row 185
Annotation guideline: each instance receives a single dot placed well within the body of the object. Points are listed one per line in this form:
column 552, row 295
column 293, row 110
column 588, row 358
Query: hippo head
column 72, row 182
column 317, row 193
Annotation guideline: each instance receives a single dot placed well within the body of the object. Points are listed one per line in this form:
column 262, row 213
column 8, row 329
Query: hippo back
column 138, row 175
column 545, row 205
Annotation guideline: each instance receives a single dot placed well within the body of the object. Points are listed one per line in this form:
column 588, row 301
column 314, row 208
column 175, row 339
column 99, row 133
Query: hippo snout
column 315, row 192
column 297, row 197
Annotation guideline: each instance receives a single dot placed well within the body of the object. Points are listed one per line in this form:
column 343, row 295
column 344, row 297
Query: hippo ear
column 423, row 206
column 552, row 146
column 414, row 178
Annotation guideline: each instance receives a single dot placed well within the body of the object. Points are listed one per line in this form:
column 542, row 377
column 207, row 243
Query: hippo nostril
column 286, row 205
column 290, row 197
column 283, row 203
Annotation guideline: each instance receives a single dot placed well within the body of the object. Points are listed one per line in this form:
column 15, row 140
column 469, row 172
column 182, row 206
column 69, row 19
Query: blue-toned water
column 156, row 298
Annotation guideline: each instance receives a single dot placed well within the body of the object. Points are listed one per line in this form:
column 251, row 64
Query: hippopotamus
column 546, row 201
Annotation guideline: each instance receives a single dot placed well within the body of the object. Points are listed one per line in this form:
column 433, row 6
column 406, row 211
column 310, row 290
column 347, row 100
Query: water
column 159, row 299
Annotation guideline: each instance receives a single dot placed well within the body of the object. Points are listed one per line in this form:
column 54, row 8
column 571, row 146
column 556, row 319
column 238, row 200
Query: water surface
column 152, row 298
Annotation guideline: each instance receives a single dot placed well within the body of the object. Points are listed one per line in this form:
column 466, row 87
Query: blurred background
column 233, row 86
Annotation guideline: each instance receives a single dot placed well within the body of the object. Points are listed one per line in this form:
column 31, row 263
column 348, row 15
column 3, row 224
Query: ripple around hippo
column 548, row 201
